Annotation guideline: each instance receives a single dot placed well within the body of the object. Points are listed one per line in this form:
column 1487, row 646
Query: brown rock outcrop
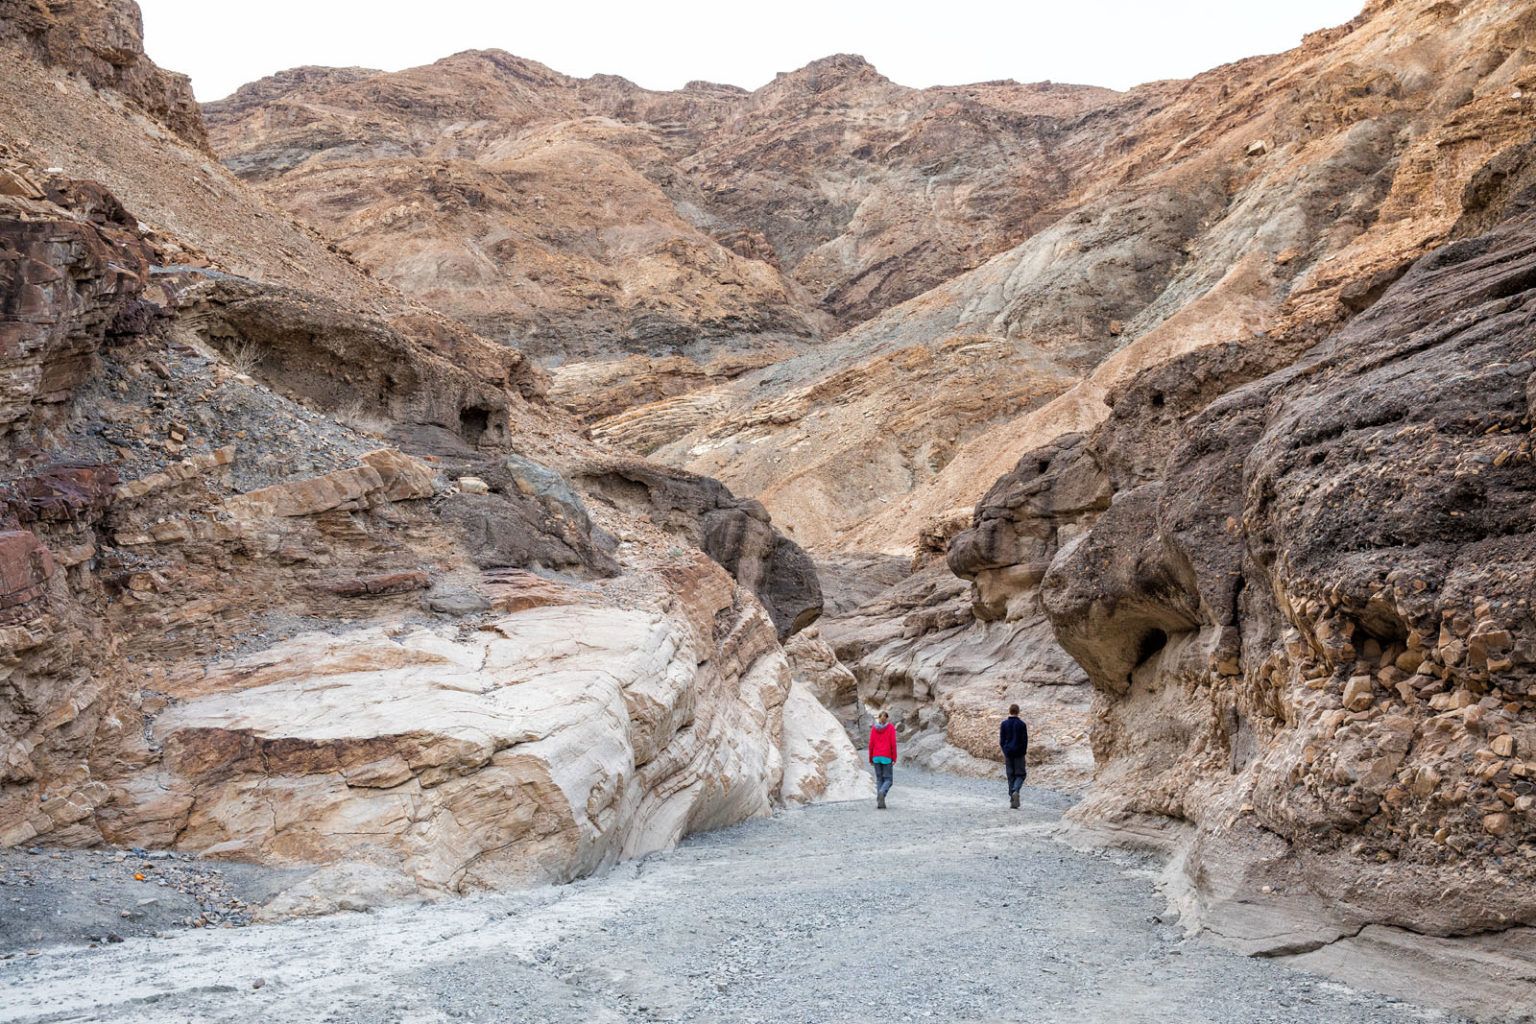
column 229, row 524
column 1305, row 628
column 103, row 41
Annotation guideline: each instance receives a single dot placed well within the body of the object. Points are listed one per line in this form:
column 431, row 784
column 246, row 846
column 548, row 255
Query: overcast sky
column 663, row 44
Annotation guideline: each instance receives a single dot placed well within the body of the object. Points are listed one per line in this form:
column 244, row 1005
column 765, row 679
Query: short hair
column 1013, row 709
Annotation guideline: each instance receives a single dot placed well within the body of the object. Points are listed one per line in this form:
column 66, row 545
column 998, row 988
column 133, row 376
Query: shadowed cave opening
column 1151, row 642
column 473, row 423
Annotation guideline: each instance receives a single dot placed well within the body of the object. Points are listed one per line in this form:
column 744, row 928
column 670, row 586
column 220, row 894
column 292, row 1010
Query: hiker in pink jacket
column 882, row 755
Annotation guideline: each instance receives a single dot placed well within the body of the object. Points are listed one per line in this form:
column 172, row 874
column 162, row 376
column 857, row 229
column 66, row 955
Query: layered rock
column 247, row 489
column 1303, row 623
column 584, row 216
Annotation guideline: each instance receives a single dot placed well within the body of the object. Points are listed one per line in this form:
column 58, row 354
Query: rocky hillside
column 1261, row 203
column 580, row 217
column 295, row 570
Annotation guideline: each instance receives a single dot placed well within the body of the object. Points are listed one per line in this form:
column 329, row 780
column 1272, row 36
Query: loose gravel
column 946, row 907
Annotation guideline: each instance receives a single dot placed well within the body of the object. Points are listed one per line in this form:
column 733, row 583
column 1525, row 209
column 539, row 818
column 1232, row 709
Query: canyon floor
column 947, row 907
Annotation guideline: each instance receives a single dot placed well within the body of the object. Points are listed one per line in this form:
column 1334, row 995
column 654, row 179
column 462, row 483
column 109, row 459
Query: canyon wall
column 1302, row 599
column 293, row 569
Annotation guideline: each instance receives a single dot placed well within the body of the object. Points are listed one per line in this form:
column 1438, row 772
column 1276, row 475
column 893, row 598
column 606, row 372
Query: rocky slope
column 248, row 489
column 1261, row 202
column 585, row 217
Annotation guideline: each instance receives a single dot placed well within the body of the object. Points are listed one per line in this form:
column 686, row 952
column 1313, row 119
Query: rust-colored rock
column 25, row 568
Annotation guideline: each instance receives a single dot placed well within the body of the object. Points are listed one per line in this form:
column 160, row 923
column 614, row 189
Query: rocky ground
column 948, row 907
column 103, row 896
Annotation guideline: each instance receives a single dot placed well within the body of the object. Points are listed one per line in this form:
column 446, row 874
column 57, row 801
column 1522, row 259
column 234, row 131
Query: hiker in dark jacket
column 1013, row 737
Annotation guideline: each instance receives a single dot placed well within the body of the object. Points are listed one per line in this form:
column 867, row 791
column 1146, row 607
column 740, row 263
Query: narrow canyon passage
column 947, row 907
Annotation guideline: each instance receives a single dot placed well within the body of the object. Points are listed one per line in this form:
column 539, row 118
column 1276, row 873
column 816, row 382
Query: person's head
column 885, row 716
column 1013, row 709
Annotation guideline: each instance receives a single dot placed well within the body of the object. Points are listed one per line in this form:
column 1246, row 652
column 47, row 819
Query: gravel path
column 947, row 907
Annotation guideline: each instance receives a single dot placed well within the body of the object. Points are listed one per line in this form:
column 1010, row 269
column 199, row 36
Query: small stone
column 1504, row 745
column 473, row 485
column 1425, row 781
column 1497, row 824
column 258, row 982
column 1358, row 693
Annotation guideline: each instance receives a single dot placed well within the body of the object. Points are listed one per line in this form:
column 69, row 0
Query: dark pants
column 1016, row 772
column 885, row 776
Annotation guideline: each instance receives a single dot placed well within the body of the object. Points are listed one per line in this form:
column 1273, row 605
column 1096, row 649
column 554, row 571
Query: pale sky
column 661, row 45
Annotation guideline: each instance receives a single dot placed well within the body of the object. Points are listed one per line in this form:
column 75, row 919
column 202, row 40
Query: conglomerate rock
column 1308, row 630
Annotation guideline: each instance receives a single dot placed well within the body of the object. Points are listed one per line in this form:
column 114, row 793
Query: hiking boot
column 880, row 802
column 1013, row 800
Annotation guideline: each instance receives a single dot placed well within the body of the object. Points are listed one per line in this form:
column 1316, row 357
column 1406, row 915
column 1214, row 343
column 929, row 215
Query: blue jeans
column 1016, row 772
column 885, row 775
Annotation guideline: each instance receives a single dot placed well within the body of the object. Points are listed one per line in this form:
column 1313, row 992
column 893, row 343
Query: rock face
column 103, row 42
column 1303, row 613
column 593, row 216
column 735, row 532
column 554, row 742
column 248, row 492
column 1334, row 554
column 65, row 286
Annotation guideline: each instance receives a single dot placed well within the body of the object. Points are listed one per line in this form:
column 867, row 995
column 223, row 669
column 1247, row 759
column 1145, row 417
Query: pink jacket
column 882, row 742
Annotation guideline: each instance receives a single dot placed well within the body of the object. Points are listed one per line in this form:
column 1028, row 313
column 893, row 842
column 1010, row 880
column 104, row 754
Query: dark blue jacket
column 1013, row 737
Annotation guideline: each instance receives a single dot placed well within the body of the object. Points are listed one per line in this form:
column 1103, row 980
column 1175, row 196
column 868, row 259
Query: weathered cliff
column 241, row 502
column 1303, row 612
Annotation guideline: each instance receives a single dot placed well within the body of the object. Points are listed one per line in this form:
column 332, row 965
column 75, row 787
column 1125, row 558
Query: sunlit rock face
column 297, row 570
